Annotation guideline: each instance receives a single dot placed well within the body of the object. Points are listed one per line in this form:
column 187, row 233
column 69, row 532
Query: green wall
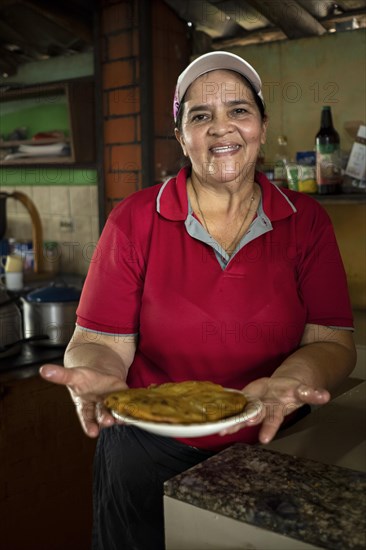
column 34, row 115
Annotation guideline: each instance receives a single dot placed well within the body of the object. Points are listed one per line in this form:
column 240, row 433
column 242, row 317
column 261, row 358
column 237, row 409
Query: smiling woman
column 221, row 130
column 216, row 275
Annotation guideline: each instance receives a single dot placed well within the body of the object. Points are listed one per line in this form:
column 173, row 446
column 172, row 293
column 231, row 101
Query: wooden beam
column 8, row 63
column 64, row 18
column 346, row 16
column 271, row 34
column 25, row 43
column 6, row 3
column 268, row 34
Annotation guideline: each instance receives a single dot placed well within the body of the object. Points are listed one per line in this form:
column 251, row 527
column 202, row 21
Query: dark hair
column 261, row 106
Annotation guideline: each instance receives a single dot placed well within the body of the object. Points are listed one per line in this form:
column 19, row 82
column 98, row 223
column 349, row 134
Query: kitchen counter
column 26, row 363
column 292, row 494
column 46, row 459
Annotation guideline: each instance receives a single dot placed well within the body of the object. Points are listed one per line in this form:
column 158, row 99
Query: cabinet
column 65, row 107
column 46, row 468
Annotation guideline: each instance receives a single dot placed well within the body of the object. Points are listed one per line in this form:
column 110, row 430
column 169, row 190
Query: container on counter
column 24, row 249
column 301, row 175
column 281, row 161
column 301, row 178
column 50, row 312
column 4, row 251
column 356, row 165
column 328, row 156
column 13, row 276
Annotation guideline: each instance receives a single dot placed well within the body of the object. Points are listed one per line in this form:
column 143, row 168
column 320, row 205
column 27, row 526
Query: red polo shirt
column 201, row 315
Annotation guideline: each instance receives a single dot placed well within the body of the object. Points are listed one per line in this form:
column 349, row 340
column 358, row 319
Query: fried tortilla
column 189, row 402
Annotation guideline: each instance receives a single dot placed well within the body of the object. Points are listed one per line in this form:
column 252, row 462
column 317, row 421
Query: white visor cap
column 214, row 61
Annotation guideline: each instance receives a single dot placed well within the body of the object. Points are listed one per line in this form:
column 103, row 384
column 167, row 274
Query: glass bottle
column 328, row 156
column 281, row 160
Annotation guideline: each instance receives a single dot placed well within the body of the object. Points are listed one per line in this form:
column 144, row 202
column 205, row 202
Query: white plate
column 40, row 150
column 192, row 430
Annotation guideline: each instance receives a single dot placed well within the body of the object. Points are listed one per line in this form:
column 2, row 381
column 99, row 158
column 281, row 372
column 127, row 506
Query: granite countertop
column 320, row 504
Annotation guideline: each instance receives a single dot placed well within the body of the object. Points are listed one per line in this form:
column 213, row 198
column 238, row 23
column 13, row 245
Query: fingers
column 103, row 417
column 275, row 410
column 91, row 413
column 92, row 416
column 312, row 396
column 86, row 412
column 57, row 374
column 268, row 431
column 256, row 413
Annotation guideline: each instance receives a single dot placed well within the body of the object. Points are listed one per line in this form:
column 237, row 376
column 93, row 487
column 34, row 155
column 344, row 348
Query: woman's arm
column 96, row 364
column 324, row 359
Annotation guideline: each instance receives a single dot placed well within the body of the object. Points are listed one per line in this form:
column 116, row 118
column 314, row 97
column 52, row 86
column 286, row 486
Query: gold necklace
column 241, row 225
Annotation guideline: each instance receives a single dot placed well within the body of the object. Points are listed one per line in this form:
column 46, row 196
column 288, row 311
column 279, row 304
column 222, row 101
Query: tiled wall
column 78, row 203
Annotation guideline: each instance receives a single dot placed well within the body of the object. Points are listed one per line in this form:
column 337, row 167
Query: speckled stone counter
column 322, row 505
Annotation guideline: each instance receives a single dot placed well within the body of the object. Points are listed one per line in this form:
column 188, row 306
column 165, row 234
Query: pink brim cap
column 211, row 62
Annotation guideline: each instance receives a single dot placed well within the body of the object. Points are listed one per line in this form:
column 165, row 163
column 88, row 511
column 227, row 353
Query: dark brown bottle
column 328, row 156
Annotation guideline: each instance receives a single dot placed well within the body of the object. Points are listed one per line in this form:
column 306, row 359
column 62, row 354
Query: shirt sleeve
column 321, row 274
column 111, row 295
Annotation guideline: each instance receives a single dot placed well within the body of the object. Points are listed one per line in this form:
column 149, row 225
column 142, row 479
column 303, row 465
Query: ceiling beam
column 206, row 17
column 63, row 17
column 269, row 34
column 290, row 17
column 26, row 44
column 346, row 16
column 8, row 63
column 6, row 3
column 243, row 14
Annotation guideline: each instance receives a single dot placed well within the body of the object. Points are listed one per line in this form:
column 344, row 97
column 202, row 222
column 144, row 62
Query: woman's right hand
column 88, row 387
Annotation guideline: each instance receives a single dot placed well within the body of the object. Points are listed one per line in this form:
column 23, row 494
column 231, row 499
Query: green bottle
column 328, row 156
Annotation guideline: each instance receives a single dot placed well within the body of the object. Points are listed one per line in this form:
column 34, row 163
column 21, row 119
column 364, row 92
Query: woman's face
column 222, row 129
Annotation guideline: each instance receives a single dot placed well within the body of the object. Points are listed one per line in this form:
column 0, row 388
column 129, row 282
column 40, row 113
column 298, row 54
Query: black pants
column 130, row 468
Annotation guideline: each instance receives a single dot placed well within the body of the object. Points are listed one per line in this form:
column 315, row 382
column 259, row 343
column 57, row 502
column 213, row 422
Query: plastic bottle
column 328, row 156
column 281, row 160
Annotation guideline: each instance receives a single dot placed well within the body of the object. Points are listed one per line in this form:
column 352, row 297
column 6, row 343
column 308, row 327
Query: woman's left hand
column 280, row 396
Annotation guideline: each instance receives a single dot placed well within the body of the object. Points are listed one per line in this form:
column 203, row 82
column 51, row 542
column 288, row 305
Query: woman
column 215, row 275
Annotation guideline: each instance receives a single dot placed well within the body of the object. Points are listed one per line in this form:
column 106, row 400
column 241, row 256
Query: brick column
column 121, row 108
column 121, row 81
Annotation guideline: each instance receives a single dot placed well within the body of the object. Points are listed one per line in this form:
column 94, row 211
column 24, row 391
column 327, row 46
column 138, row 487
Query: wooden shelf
column 78, row 95
column 59, row 159
column 342, row 198
column 16, row 143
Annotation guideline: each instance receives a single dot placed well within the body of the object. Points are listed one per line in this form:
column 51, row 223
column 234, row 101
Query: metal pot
column 51, row 311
